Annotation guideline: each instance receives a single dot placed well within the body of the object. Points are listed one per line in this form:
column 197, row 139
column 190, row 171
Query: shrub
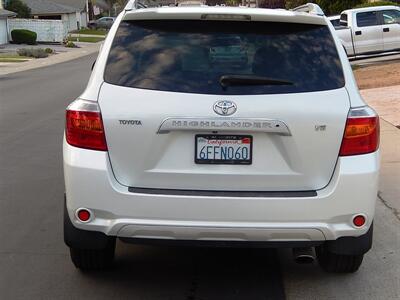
column 70, row 44
column 33, row 52
column 24, row 36
column 49, row 50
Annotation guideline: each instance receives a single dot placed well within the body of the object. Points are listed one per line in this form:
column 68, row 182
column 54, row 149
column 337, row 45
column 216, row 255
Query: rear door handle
column 386, row 29
column 358, row 33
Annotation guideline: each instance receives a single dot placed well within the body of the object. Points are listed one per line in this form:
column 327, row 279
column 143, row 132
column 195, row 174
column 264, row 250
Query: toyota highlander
column 165, row 145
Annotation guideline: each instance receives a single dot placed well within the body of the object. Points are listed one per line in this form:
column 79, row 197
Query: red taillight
column 84, row 129
column 361, row 135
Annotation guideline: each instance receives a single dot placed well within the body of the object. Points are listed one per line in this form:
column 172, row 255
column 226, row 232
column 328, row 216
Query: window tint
column 335, row 22
column 367, row 19
column 192, row 56
column 391, row 16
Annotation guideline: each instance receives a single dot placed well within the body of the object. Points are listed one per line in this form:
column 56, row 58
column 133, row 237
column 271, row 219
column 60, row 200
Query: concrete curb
column 52, row 60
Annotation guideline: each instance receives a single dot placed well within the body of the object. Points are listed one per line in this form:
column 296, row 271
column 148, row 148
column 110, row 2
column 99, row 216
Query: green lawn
column 86, row 39
column 91, row 31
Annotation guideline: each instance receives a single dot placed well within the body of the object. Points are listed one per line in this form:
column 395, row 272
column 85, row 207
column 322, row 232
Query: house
column 72, row 14
column 4, row 15
column 79, row 5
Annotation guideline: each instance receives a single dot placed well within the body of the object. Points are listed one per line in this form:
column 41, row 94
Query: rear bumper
column 90, row 184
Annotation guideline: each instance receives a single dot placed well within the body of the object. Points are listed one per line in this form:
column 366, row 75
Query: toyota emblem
column 225, row 108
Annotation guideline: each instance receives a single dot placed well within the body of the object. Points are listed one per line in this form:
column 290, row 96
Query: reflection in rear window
column 191, row 56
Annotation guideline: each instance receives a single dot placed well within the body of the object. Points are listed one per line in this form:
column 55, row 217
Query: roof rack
column 130, row 5
column 310, row 8
column 136, row 4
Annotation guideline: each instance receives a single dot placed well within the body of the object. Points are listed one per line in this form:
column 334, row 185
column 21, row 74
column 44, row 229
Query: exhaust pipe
column 303, row 255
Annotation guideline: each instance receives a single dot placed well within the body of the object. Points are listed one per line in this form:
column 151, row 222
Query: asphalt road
column 35, row 264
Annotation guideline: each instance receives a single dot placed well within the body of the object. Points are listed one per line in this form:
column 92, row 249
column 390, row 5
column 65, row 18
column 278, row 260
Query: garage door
column 3, row 31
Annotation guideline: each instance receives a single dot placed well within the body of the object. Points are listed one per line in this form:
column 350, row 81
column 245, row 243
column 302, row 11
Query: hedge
column 24, row 36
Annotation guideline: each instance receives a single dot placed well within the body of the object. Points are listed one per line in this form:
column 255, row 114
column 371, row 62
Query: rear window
column 192, row 56
column 335, row 22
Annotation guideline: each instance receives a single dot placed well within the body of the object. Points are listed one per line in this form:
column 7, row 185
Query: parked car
column 163, row 148
column 102, row 23
column 370, row 30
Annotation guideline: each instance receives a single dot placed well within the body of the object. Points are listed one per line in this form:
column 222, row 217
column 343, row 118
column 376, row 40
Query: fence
column 46, row 30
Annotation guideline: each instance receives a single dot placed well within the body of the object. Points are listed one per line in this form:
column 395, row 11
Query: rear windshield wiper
column 237, row 80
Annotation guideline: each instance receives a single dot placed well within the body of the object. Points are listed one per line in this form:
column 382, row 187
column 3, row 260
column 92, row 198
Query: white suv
column 166, row 146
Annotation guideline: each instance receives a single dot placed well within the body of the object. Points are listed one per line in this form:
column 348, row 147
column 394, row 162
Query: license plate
column 223, row 149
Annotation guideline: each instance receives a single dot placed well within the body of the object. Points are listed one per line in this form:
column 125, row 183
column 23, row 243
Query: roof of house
column 81, row 4
column 6, row 13
column 48, row 7
column 77, row 4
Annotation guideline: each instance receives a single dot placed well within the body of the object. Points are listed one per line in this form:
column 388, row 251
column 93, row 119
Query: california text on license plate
column 223, row 149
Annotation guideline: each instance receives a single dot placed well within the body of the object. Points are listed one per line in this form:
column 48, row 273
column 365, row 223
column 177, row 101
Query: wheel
column 93, row 259
column 338, row 263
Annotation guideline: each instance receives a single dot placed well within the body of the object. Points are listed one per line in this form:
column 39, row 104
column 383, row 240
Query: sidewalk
column 389, row 187
column 87, row 35
column 69, row 54
column 386, row 101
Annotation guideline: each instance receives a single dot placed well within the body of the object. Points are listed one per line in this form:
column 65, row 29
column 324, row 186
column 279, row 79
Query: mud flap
column 83, row 239
column 352, row 245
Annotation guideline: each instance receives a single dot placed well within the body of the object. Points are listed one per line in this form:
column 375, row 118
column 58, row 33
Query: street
column 35, row 263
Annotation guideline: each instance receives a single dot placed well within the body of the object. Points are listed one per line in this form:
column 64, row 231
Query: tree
column 271, row 3
column 19, row 7
column 294, row 3
column 117, row 5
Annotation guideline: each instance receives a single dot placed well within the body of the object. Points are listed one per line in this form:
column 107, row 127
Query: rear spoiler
column 310, row 8
column 306, row 14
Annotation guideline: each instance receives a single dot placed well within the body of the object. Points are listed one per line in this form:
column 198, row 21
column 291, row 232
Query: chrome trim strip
column 224, row 124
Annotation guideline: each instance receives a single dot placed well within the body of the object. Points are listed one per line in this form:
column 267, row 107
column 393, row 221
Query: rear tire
column 93, row 259
column 338, row 263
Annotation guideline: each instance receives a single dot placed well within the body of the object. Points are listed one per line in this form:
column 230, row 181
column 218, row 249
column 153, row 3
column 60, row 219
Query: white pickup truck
column 370, row 30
